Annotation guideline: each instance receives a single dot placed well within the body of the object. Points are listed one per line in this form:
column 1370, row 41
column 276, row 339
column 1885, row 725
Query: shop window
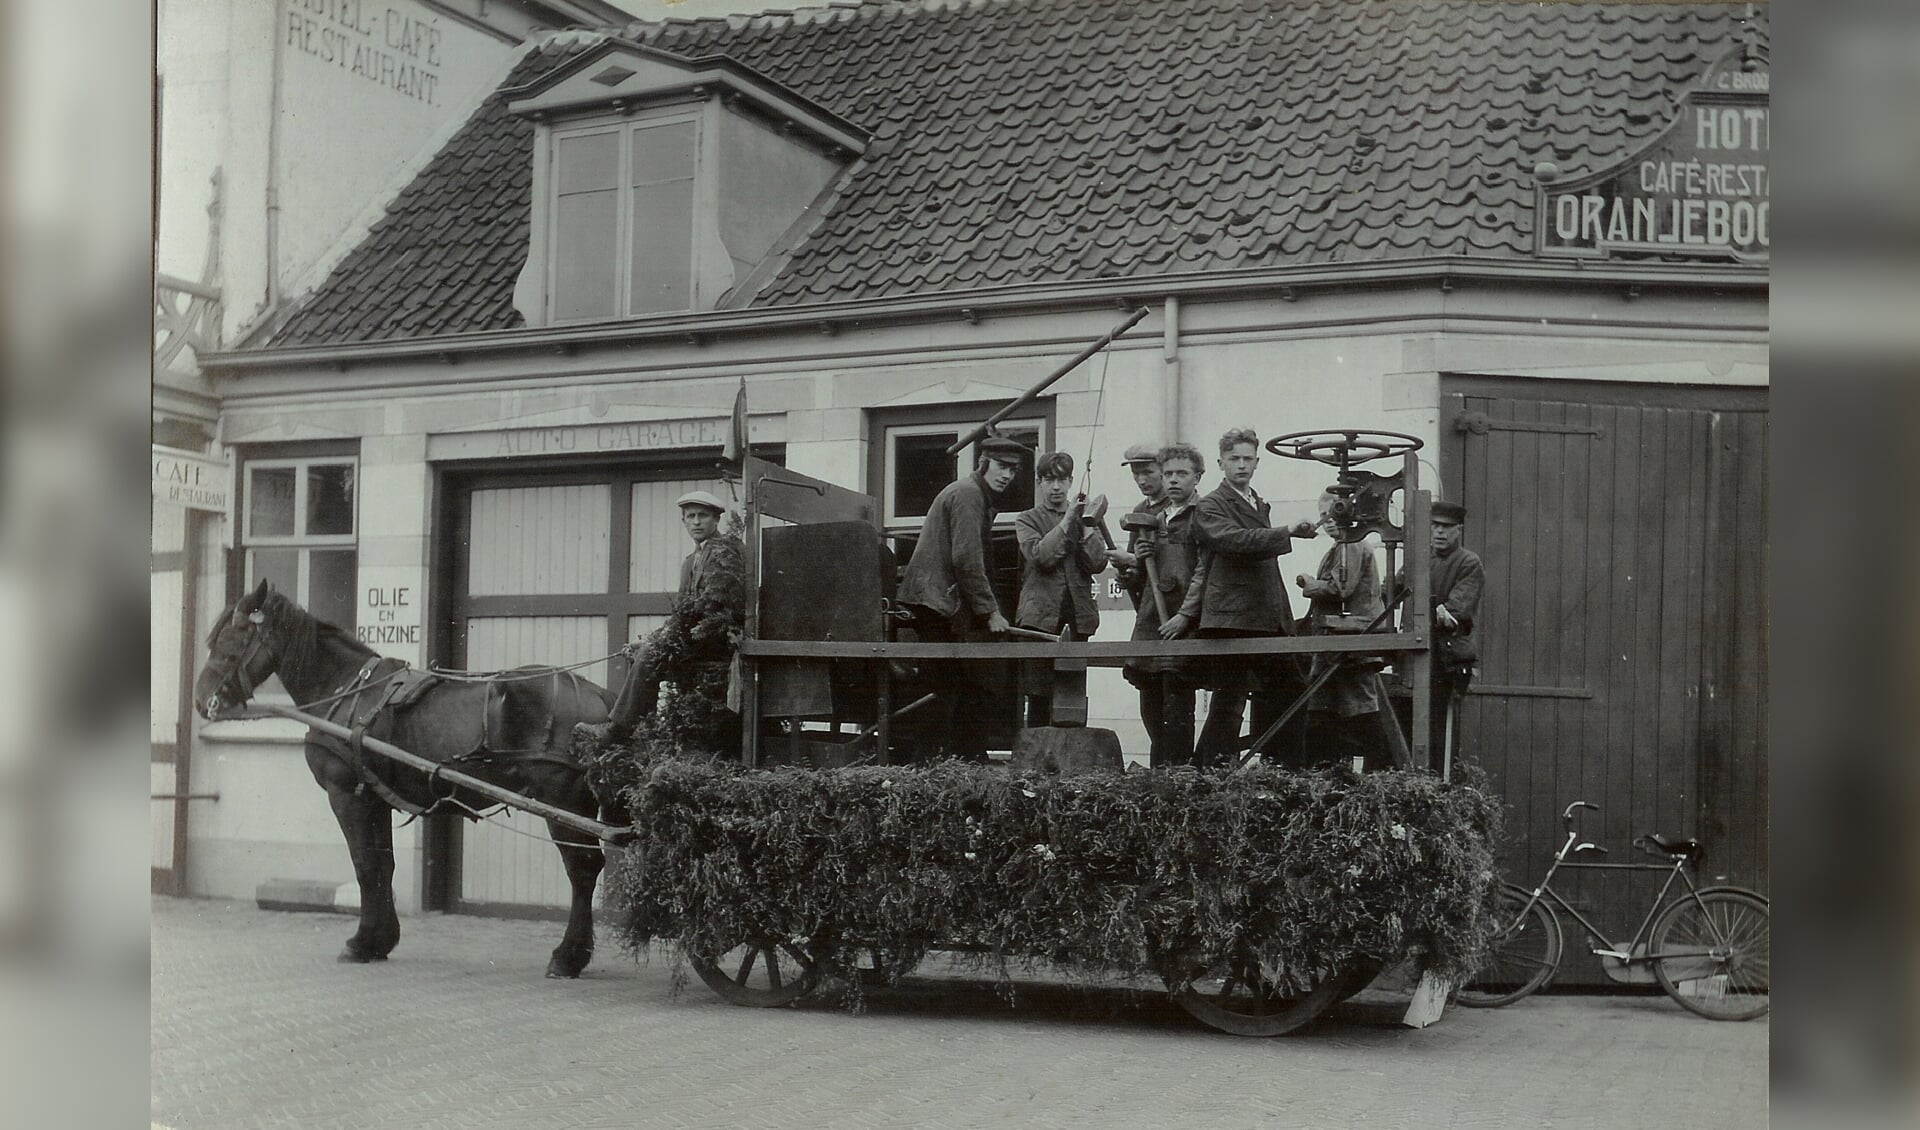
column 299, row 520
column 914, row 466
column 622, row 219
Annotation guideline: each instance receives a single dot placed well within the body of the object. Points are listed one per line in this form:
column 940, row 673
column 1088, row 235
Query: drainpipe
column 277, row 81
column 1170, row 385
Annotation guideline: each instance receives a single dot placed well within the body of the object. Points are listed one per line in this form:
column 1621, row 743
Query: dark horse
column 513, row 730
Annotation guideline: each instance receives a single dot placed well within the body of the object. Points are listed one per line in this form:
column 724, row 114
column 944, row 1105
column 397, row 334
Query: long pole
column 1024, row 398
column 574, row 820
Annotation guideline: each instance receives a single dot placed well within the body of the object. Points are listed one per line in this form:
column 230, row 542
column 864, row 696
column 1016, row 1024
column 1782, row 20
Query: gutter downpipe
column 277, row 81
column 1170, row 376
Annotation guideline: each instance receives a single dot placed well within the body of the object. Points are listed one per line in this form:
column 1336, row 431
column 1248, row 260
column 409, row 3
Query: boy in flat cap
column 947, row 586
column 713, row 572
column 1457, row 578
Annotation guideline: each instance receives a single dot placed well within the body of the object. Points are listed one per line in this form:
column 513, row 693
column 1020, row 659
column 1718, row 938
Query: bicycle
column 1709, row 948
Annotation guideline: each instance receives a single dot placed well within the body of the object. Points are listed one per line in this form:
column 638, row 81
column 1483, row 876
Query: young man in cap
column 1059, row 556
column 1457, row 578
column 1244, row 597
column 1159, row 705
column 948, row 588
column 712, row 571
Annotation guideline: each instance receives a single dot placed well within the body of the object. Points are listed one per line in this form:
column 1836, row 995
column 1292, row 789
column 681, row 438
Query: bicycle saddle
column 1670, row 845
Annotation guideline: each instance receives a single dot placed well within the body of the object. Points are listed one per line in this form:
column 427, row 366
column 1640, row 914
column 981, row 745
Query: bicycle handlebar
column 1567, row 816
column 1590, row 847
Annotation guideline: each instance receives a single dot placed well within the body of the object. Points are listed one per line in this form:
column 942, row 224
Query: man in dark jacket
column 1457, row 578
column 1059, row 557
column 947, row 586
column 1167, row 685
column 1244, row 597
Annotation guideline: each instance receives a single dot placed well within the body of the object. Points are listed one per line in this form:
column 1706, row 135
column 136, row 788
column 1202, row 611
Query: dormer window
column 665, row 184
column 622, row 221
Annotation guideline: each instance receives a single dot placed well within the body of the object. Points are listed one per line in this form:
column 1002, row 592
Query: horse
column 512, row 729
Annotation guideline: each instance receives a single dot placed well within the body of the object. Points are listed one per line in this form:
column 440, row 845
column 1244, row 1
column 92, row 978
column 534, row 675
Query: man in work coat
column 947, row 586
column 1457, row 578
column 1059, row 557
column 1167, row 685
column 710, row 580
column 1244, row 597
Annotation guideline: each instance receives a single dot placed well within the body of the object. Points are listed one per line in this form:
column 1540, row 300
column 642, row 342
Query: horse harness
column 382, row 690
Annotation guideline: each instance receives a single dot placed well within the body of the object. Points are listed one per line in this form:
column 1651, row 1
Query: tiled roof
column 1023, row 141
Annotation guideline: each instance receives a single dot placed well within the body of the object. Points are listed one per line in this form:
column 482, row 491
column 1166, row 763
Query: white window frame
column 890, row 517
column 299, row 539
column 624, row 126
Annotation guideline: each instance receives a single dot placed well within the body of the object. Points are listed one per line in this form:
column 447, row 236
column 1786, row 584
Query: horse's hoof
column 349, row 957
column 560, row 971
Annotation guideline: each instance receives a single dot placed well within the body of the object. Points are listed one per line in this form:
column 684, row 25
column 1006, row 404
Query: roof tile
column 1032, row 140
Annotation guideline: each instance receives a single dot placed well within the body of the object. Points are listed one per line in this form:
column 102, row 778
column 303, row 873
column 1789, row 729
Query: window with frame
column 299, row 531
column 913, row 465
column 623, row 235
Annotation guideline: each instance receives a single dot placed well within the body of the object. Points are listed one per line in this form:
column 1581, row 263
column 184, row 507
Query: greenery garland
column 1138, row 873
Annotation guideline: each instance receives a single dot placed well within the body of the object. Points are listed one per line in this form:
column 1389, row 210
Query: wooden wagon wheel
column 1235, row 997
column 765, row 974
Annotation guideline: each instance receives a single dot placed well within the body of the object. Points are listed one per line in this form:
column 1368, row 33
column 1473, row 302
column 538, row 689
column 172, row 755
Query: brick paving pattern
column 254, row 1025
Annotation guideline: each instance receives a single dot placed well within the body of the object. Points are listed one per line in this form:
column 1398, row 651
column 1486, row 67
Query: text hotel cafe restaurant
column 1533, row 236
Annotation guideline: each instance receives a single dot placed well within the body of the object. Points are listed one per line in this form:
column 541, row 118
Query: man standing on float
column 948, row 588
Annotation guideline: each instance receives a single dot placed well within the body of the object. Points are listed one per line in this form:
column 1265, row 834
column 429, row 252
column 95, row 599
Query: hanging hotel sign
column 194, row 481
column 1700, row 191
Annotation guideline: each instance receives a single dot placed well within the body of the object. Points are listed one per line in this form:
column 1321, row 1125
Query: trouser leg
column 1152, row 714
column 1176, row 722
column 1279, row 685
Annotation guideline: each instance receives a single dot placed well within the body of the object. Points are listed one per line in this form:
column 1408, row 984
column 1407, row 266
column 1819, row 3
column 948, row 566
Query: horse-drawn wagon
column 1258, row 895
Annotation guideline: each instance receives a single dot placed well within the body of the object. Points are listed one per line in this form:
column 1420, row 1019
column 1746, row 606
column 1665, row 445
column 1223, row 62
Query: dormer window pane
column 662, row 266
column 586, row 217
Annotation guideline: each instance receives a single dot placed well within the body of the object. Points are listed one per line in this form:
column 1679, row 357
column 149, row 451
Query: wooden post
column 1419, row 613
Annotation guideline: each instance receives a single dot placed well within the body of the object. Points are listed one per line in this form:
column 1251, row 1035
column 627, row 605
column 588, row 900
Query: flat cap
column 1140, row 453
column 1449, row 512
column 703, row 498
column 1004, row 449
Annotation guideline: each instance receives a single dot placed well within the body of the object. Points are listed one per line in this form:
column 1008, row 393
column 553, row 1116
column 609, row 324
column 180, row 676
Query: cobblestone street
column 254, row 1025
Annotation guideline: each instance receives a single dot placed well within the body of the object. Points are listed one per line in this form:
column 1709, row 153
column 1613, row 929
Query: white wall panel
column 527, row 540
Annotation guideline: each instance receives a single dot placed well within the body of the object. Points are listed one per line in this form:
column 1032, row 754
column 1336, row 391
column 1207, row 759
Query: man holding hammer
column 1166, row 572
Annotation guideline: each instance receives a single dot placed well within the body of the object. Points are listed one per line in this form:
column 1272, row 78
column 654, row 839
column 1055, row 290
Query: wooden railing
column 186, row 315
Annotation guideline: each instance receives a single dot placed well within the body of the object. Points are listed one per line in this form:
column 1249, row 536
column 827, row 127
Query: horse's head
column 241, row 654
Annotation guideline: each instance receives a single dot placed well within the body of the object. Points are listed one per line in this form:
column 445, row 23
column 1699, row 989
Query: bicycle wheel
column 1711, row 953
column 1521, row 958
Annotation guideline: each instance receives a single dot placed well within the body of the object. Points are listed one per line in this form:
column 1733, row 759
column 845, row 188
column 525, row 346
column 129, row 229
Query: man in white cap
column 713, row 566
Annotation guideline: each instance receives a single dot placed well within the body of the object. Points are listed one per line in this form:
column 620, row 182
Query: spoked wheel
column 1711, row 952
column 1521, row 958
column 1237, row 998
column 764, row 975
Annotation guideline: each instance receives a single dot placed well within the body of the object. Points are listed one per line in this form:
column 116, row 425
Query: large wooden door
column 554, row 567
column 1622, row 634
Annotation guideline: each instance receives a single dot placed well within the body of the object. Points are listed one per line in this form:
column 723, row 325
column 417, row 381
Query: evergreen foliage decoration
column 1155, row 873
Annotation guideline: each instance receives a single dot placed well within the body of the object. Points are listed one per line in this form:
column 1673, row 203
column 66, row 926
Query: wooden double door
column 559, row 565
column 1623, row 631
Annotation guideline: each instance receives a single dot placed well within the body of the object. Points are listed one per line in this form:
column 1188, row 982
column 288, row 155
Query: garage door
column 554, row 568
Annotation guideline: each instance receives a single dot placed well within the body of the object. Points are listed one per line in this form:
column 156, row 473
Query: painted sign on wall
column 190, row 480
column 1700, row 190
column 388, row 47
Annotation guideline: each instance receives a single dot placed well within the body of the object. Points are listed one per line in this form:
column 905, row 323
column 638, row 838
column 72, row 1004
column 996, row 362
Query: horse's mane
column 304, row 637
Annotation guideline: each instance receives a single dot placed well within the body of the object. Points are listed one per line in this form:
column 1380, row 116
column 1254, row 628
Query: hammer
column 1138, row 522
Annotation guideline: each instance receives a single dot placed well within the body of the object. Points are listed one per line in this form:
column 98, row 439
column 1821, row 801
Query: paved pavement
column 254, row 1026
